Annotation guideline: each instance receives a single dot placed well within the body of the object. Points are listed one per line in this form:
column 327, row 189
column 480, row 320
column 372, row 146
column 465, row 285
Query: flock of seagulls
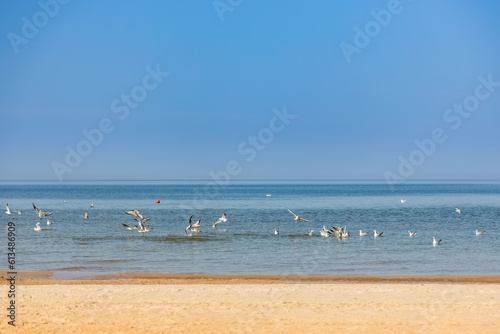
column 141, row 227
column 341, row 232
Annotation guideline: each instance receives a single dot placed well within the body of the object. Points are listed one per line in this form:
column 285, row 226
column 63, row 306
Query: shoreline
column 47, row 277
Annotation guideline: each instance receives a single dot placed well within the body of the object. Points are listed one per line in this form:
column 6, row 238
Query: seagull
column 19, row 213
column 8, row 210
column 310, row 232
column 49, row 222
column 458, row 210
column 276, row 232
column 297, row 218
column 40, row 213
column 86, row 215
column 376, row 235
column 37, row 228
column 222, row 219
column 268, row 195
column 324, row 232
column 141, row 227
column 412, row 234
column 361, row 233
column 480, row 232
column 403, row 201
column 92, row 205
column 435, row 242
column 194, row 227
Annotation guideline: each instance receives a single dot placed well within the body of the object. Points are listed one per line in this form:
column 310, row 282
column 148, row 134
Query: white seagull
column 435, row 242
column 458, row 210
column 376, row 235
column 297, row 218
column 37, row 228
column 49, row 222
column 141, row 227
column 193, row 227
column 324, row 232
column 91, row 206
column 268, row 195
column 222, row 219
column 276, row 232
column 412, row 234
column 40, row 213
column 361, row 233
column 8, row 210
column 480, row 232
column 310, row 232
column 403, row 201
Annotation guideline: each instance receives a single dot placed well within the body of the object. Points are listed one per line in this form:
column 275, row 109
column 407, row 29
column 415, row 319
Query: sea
column 76, row 247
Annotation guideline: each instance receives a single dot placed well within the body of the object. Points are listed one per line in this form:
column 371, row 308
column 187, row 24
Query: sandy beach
column 153, row 303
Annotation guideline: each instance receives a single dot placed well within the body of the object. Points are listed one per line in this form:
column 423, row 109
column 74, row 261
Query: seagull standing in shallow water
column 37, row 228
column 222, row 219
column 480, row 232
column 276, row 232
column 361, row 233
column 297, row 218
column 376, row 235
column 40, row 213
column 49, row 222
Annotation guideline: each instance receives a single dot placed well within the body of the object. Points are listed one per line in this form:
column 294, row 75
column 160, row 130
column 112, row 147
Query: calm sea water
column 246, row 243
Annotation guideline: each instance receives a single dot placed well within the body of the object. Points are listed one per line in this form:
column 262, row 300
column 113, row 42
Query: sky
column 241, row 90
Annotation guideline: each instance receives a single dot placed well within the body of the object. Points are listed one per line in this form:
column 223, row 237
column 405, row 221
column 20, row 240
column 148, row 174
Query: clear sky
column 250, row 89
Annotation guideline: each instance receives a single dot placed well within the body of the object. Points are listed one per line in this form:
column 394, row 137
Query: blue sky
column 356, row 115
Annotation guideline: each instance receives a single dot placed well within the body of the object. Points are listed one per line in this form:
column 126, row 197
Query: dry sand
column 256, row 304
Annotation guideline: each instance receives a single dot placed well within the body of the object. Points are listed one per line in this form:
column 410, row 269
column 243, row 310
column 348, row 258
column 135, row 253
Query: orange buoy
column 157, row 201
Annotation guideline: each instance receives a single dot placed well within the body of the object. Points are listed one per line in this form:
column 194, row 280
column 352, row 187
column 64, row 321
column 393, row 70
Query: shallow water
column 246, row 244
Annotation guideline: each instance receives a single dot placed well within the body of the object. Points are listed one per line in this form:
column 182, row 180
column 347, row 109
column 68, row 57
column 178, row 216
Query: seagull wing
column 292, row 212
column 36, row 209
column 197, row 224
column 130, row 227
column 134, row 213
column 303, row 220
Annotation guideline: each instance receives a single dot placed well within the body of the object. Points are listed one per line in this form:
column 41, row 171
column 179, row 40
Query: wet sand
column 171, row 303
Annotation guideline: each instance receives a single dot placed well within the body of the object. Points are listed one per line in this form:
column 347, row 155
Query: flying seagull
column 412, row 234
column 193, row 227
column 403, row 201
column 480, row 232
column 37, row 228
column 141, row 226
column 458, row 210
column 297, row 218
column 222, row 219
column 40, row 213
column 435, row 242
